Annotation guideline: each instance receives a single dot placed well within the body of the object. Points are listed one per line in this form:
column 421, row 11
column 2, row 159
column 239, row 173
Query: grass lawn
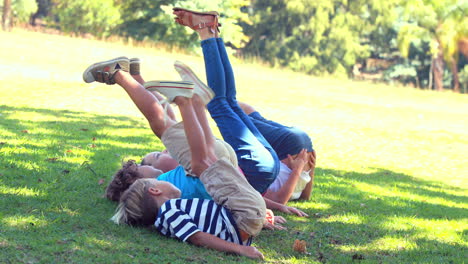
column 391, row 184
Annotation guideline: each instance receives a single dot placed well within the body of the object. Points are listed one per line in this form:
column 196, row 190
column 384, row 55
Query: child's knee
column 200, row 165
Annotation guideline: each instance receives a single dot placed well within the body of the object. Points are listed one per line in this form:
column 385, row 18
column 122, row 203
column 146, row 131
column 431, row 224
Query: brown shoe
column 197, row 20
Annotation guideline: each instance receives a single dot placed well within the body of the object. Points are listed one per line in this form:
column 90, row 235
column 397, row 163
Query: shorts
column 229, row 188
column 176, row 143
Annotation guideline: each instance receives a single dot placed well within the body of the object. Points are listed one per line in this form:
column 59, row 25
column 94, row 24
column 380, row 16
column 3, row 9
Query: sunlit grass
column 24, row 222
column 19, row 191
column 390, row 186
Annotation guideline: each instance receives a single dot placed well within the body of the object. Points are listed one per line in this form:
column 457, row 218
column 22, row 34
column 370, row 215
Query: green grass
column 391, row 183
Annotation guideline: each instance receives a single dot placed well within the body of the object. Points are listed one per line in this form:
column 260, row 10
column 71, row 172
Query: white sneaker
column 104, row 71
column 200, row 88
column 170, row 89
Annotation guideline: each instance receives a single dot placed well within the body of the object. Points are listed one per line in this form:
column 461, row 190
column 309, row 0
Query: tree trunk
column 431, row 75
column 456, row 80
column 438, row 71
column 6, row 19
column 463, row 47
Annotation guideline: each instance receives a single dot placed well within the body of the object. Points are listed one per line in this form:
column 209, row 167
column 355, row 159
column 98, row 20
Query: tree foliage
column 442, row 24
column 87, row 16
column 419, row 38
column 316, row 36
column 21, row 10
column 158, row 21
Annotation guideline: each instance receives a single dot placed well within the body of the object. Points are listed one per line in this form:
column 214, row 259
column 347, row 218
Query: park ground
column 391, row 182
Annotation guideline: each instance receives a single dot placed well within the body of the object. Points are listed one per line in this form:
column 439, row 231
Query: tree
column 43, row 9
column 153, row 20
column 315, row 36
column 6, row 18
column 441, row 23
column 87, row 16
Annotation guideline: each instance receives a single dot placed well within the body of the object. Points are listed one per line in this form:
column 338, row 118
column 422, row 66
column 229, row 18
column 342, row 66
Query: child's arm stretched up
column 207, row 240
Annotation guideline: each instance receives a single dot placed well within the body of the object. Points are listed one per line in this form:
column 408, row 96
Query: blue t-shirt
column 190, row 187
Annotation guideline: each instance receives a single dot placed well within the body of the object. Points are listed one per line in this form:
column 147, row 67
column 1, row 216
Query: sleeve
column 176, row 223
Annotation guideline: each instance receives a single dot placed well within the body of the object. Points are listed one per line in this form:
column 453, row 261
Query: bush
column 21, row 10
column 463, row 77
column 87, row 16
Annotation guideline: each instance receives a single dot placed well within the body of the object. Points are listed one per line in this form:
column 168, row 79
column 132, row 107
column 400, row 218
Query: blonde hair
column 136, row 207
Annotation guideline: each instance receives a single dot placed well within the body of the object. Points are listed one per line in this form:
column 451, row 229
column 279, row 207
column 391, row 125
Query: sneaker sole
column 87, row 74
column 179, row 66
column 152, row 85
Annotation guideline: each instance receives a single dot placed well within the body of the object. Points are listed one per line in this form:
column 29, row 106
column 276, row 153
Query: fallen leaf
column 84, row 129
column 92, row 146
column 299, row 246
column 69, row 150
column 51, row 159
column 101, row 182
column 25, row 131
column 94, row 139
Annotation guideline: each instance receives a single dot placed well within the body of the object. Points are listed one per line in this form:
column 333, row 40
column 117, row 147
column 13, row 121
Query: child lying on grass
column 237, row 212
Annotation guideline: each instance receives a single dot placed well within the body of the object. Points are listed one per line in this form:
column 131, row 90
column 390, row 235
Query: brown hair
column 122, row 179
column 136, row 207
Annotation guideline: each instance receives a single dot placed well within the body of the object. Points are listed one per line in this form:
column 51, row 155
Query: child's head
column 160, row 160
column 139, row 205
column 128, row 174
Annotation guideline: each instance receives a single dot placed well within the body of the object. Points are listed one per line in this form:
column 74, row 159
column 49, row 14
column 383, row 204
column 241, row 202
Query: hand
column 280, row 219
column 299, row 161
column 270, row 226
column 251, row 252
column 312, row 158
column 291, row 210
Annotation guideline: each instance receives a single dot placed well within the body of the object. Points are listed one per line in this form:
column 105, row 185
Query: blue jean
column 256, row 157
column 284, row 140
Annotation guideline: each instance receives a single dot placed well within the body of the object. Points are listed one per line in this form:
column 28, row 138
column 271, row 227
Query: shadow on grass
column 54, row 166
column 384, row 216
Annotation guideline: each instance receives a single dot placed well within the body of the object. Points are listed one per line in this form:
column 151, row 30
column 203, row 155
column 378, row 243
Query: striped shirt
column 181, row 218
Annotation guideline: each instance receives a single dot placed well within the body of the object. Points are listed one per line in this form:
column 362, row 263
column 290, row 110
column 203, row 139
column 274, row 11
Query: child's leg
column 229, row 188
column 231, row 95
column 135, row 72
column 199, row 108
column 256, row 162
column 148, row 105
column 202, row 154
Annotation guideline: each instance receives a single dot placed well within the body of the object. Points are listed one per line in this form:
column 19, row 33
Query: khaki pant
column 230, row 188
column 175, row 140
column 222, row 180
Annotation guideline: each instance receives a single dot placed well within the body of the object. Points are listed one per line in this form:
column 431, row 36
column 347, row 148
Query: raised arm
column 305, row 195
column 207, row 240
column 283, row 195
column 283, row 208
